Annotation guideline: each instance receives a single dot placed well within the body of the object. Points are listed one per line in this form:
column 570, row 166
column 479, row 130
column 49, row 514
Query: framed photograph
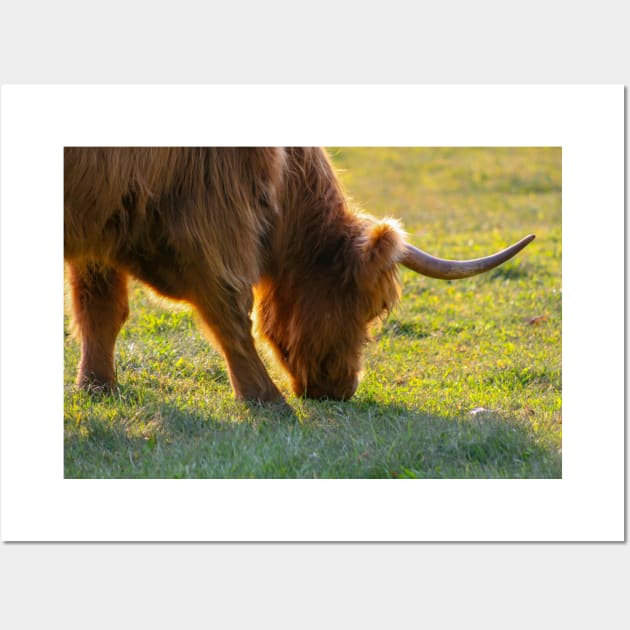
column 487, row 411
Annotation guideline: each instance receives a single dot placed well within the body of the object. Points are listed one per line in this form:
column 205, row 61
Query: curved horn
column 421, row 262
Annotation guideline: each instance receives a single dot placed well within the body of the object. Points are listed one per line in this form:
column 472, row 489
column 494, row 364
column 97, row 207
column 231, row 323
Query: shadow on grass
column 313, row 439
column 409, row 329
column 511, row 271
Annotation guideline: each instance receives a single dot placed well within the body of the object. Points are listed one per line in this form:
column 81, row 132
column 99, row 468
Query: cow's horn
column 428, row 265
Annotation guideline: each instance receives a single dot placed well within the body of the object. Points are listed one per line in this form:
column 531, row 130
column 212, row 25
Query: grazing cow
column 236, row 232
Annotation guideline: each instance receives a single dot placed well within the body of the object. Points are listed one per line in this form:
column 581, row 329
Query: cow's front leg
column 100, row 307
column 226, row 313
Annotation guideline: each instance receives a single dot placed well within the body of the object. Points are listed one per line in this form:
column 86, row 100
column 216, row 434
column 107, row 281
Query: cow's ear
column 382, row 246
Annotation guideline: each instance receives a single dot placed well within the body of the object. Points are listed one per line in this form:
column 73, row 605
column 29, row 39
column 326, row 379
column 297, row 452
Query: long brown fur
column 216, row 227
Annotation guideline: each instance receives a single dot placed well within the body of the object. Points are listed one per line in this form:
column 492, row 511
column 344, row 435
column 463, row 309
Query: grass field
column 463, row 379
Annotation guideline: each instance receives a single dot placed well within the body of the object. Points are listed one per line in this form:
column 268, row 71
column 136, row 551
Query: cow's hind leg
column 227, row 316
column 100, row 307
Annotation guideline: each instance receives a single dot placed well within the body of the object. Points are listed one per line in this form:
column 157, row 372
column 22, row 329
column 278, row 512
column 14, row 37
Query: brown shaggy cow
column 236, row 231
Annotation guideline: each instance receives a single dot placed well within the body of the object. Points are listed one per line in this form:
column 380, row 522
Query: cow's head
column 317, row 324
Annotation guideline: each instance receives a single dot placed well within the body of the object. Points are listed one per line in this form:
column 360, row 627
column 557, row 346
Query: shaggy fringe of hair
column 333, row 273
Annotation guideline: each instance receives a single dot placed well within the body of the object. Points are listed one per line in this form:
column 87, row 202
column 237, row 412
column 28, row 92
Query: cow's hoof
column 94, row 385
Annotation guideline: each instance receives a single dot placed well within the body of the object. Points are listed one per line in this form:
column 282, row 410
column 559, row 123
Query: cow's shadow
column 311, row 439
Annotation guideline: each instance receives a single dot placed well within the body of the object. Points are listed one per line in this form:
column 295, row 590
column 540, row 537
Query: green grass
column 448, row 349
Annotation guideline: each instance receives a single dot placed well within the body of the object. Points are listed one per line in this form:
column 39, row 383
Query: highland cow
column 242, row 234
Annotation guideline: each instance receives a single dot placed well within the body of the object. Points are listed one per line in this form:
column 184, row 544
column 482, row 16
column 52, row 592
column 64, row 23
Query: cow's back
column 187, row 210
